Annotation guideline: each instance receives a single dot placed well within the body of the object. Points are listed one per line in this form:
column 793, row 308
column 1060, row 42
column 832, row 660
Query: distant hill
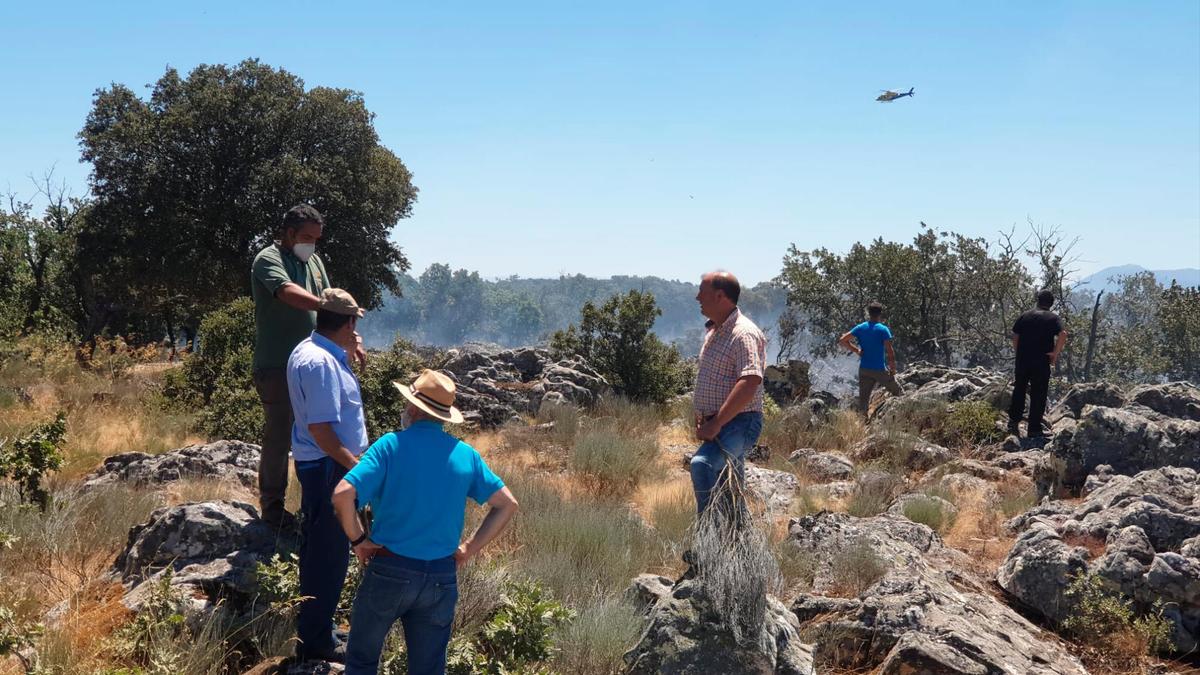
column 1106, row 278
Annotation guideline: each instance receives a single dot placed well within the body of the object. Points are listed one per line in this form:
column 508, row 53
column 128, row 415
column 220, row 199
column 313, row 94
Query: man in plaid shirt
column 728, row 400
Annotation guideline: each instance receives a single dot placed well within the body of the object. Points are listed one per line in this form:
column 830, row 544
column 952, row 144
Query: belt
column 436, row 566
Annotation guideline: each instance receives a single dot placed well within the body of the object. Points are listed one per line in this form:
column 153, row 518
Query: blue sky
column 671, row 138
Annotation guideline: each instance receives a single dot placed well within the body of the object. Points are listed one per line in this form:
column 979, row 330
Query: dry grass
column 1095, row 546
column 841, row 432
column 670, row 507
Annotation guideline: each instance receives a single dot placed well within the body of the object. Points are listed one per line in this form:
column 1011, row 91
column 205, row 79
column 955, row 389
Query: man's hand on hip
column 706, row 431
column 366, row 550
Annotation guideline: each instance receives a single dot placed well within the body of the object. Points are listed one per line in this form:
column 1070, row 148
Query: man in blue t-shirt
column 874, row 342
column 417, row 482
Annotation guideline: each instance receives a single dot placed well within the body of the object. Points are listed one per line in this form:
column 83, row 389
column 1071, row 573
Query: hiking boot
column 1014, row 429
column 282, row 520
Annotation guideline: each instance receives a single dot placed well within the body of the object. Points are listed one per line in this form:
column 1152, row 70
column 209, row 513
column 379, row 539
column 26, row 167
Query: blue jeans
column 737, row 437
column 421, row 594
column 324, row 554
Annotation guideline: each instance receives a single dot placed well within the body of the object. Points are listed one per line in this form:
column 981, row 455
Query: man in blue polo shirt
column 417, row 482
column 874, row 341
column 328, row 435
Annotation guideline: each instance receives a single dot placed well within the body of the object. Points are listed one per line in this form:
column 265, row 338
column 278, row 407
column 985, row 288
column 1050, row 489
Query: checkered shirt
column 732, row 350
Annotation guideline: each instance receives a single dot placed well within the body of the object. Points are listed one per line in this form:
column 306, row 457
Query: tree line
column 189, row 183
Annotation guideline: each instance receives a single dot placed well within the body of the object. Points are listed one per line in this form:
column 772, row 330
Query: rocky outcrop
column 924, row 382
column 822, row 467
column 901, row 450
column 1138, row 533
column 684, row 635
column 787, row 382
column 1155, row 426
column 209, row 549
column 496, row 387
column 887, row 594
column 775, row 489
column 219, row 460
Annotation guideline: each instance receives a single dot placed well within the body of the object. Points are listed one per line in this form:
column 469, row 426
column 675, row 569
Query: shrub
column 279, row 580
column 577, row 548
column 612, row 463
column 565, row 419
column 17, row 636
column 855, row 568
column 616, row 339
column 32, row 456
column 234, row 411
column 382, row 403
column 928, row 511
column 1106, row 620
column 970, row 423
column 597, row 639
column 517, row 636
column 873, row 492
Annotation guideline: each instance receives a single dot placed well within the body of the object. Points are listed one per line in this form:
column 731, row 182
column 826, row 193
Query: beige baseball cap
column 339, row 301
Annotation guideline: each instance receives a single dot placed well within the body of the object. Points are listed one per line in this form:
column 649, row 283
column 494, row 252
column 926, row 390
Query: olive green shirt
column 279, row 327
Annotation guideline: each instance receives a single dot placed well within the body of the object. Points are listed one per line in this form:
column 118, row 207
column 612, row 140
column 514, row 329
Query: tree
column 948, row 297
column 615, row 338
column 1178, row 326
column 191, row 183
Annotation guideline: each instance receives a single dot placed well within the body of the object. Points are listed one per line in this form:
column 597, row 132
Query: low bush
column 873, row 493
column 929, row 511
column 28, row 459
column 1106, row 621
column 855, row 568
column 595, row 642
column 382, row 403
column 612, row 463
column 970, row 424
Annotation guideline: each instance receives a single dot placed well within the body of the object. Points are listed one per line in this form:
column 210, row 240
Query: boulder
column 1180, row 400
column 1138, row 533
column 1129, row 439
column 918, row 610
column 1084, row 394
column 787, row 382
column 685, row 636
column 498, row 387
column 925, row 383
column 900, row 449
column 219, row 460
column 209, row 549
column 823, row 467
column 776, row 489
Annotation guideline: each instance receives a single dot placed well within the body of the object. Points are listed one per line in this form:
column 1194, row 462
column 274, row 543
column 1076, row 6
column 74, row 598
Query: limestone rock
column 496, row 387
column 219, row 460
column 823, row 467
column 924, row 614
column 1139, row 534
column 776, row 489
column 685, row 637
column 787, row 382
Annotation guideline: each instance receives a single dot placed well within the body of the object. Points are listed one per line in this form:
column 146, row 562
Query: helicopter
column 889, row 96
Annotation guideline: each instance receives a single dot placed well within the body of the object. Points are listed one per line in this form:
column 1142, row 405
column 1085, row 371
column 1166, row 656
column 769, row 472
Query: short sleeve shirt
column 417, row 482
column 1037, row 329
column 871, row 336
column 323, row 389
column 279, row 327
column 731, row 351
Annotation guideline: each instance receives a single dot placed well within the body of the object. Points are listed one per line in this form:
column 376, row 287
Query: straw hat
column 433, row 392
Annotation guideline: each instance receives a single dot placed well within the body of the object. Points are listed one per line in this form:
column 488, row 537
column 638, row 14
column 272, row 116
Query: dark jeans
column 421, row 594
column 867, row 379
column 736, row 438
column 271, row 384
column 324, row 553
column 1035, row 378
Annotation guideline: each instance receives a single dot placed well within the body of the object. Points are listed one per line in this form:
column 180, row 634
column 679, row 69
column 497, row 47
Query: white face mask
column 405, row 420
column 304, row 251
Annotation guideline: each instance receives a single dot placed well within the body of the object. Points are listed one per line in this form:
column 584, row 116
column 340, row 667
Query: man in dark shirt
column 1038, row 338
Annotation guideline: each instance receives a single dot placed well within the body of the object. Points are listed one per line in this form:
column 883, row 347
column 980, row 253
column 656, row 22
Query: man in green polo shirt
column 286, row 280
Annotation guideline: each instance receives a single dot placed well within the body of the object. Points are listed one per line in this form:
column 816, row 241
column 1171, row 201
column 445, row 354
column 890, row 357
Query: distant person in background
column 286, row 281
column 728, row 399
column 1038, row 338
column 329, row 434
column 874, row 345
